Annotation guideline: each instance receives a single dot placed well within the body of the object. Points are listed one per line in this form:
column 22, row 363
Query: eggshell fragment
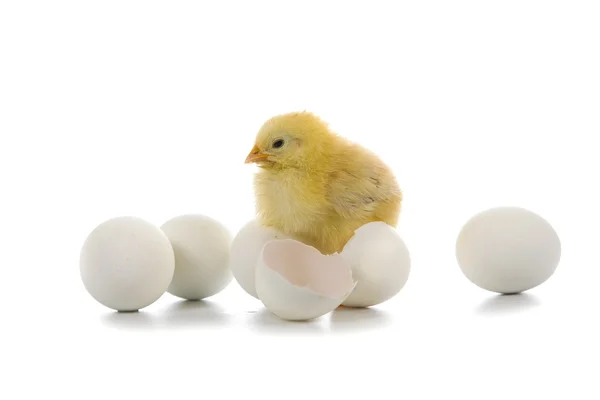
column 296, row 282
column 380, row 263
column 245, row 251
column 507, row 250
column 126, row 263
column 201, row 246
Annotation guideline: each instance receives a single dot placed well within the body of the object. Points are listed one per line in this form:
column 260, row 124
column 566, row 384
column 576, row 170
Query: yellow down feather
column 316, row 186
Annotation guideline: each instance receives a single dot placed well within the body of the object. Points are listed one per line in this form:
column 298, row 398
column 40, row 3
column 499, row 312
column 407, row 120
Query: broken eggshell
column 296, row 282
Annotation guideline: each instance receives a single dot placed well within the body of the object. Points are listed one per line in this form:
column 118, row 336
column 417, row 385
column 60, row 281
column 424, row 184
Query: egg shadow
column 264, row 321
column 345, row 319
column 504, row 304
column 137, row 321
column 194, row 313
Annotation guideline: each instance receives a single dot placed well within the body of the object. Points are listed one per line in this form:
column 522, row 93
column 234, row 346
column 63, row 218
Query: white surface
column 126, row 263
column 380, row 263
column 201, row 246
column 508, row 250
column 145, row 108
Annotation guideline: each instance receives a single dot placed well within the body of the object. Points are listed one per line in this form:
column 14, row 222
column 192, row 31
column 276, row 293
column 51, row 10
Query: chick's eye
column 278, row 143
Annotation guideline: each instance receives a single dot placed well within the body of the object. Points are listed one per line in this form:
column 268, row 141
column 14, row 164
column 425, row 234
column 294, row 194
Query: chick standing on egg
column 316, row 186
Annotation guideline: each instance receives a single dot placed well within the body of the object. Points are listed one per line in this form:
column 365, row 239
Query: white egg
column 508, row 250
column 245, row 250
column 126, row 263
column 296, row 282
column 380, row 263
column 201, row 246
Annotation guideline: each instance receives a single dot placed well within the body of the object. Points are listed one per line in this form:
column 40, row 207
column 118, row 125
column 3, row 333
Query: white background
column 149, row 108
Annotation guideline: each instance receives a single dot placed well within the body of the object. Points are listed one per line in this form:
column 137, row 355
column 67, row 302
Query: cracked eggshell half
column 245, row 250
column 380, row 263
column 296, row 282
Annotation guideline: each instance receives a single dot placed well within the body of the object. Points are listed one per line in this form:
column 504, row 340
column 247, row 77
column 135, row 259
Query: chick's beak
column 256, row 155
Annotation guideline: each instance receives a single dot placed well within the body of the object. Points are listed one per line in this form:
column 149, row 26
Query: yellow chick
column 316, row 186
